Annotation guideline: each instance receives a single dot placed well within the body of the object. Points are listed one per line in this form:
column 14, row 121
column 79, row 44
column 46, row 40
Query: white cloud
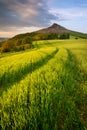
column 70, row 13
column 17, row 30
column 24, row 13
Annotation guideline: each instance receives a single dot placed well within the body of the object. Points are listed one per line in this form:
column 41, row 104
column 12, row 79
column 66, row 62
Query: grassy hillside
column 16, row 44
column 45, row 88
column 24, row 41
column 79, row 35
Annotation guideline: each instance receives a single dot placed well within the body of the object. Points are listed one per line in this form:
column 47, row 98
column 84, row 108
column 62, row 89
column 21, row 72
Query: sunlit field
column 45, row 88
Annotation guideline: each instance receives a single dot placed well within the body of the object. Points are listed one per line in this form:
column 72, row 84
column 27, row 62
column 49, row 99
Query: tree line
column 17, row 45
column 23, row 42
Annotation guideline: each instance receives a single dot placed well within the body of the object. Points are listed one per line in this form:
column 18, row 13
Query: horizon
column 21, row 16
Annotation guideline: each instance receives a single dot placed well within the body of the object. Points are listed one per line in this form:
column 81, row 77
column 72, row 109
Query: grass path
column 81, row 93
column 80, row 56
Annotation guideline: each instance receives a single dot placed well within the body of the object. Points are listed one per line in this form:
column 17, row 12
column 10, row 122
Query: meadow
column 45, row 88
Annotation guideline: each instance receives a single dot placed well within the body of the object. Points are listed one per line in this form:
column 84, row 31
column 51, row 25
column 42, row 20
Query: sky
column 21, row 16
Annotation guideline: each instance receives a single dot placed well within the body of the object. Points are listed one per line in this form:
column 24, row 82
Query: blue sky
column 21, row 16
column 72, row 13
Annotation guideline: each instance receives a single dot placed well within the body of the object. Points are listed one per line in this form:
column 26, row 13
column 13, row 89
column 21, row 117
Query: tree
column 7, row 46
column 27, row 40
column 18, row 42
column 64, row 36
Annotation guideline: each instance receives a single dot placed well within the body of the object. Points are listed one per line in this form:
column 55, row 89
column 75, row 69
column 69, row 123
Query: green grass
column 51, row 93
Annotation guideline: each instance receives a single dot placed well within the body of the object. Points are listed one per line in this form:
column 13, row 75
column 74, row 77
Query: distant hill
column 3, row 39
column 24, row 41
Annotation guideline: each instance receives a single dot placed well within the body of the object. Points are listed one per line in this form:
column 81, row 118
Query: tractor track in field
column 9, row 79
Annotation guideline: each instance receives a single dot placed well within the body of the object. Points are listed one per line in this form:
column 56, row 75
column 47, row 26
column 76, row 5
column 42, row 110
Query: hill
column 24, row 41
column 55, row 28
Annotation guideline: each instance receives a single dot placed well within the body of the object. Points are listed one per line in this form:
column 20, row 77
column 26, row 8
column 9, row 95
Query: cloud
column 70, row 13
column 19, row 16
column 11, row 31
column 24, row 13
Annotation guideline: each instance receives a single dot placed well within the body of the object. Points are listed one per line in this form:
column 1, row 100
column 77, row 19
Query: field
column 45, row 88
